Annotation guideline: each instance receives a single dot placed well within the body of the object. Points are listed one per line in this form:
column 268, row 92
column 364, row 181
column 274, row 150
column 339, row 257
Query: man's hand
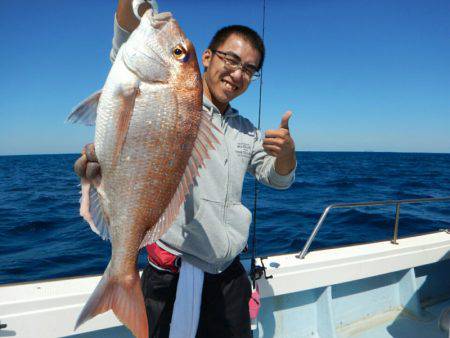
column 87, row 165
column 280, row 144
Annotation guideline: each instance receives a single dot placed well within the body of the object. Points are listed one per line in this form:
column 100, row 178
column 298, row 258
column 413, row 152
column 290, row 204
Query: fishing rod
column 255, row 200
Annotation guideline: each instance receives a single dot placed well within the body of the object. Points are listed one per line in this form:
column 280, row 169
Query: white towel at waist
column 186, row 310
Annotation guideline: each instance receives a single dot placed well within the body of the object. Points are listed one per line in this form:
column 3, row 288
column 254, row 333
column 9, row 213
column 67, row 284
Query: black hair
column 243, row 31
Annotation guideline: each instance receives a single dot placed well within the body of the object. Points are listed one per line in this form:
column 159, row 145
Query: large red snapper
column 151, row 137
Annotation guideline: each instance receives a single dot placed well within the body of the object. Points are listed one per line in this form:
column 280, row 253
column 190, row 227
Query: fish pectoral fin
column 92, row 211
column 128, row 100
column 86, row 112
column 202, row 145
column 123, row 296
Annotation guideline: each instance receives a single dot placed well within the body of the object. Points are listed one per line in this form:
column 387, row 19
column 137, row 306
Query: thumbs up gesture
column 279, row 143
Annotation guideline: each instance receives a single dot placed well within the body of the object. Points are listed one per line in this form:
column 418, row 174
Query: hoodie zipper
column 224, row 129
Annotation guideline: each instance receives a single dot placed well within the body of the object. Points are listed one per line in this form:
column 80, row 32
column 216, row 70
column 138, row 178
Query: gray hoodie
column 212, row 227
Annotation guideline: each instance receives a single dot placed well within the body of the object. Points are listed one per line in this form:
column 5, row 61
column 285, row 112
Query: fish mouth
column 158, row 20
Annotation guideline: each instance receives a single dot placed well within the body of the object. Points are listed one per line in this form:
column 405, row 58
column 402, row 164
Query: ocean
column 43, row 236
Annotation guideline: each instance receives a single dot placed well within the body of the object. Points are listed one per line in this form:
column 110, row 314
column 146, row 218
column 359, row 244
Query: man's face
column 223, row 84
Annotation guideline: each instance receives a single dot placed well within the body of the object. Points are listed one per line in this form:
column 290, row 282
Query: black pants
column 224, row 310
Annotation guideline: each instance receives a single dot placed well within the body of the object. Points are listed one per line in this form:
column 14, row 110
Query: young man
column 212, row 228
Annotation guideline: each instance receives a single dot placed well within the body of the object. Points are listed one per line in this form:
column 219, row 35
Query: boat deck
column 391, row 324
column 395, row 323
column 399, row 324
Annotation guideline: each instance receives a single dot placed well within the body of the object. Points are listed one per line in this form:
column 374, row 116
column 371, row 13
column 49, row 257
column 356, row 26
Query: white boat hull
column 370, row 290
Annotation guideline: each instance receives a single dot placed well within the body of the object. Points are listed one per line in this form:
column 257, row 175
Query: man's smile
column 229, row 85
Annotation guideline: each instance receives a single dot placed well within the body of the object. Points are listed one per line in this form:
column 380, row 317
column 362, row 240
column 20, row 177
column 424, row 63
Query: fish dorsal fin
column 91, row 210
column 86, row 112
column 203, row 144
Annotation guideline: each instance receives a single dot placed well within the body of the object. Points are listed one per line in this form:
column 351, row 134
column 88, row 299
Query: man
column 212, row 228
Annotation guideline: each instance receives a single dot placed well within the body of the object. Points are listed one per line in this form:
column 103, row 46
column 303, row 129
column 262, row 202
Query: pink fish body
column 151, row 137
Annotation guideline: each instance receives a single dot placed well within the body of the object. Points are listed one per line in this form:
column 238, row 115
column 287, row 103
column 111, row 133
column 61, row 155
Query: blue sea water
column 43, row 236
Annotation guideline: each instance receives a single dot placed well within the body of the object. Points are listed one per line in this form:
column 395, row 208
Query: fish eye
column 179, row 53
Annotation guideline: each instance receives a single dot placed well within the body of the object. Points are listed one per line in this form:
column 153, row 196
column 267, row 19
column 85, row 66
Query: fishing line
column 253, row 272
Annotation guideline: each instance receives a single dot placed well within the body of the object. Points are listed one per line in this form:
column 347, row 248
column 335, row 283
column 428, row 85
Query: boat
column 394, row 288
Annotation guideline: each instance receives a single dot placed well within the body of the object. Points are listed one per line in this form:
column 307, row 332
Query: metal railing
column 366, row 204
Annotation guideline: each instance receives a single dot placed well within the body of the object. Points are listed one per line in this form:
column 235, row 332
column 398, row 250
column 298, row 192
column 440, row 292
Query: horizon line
column 297, row 151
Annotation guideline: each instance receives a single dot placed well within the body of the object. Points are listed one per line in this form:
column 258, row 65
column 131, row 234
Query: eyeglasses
column 233, row 62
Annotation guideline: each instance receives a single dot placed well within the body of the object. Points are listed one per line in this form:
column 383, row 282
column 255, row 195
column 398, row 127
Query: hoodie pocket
column 206, row 235
column 237, row 219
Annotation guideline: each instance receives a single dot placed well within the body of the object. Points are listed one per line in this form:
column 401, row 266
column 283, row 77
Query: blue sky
column 359, row 75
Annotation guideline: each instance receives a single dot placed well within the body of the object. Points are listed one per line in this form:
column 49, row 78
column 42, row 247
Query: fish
column 151, row 138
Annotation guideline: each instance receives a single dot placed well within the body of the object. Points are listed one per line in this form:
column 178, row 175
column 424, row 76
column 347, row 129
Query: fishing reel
column 258, row 271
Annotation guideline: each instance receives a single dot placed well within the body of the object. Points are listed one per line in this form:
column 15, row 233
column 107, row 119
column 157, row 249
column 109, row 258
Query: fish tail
column 124, row 297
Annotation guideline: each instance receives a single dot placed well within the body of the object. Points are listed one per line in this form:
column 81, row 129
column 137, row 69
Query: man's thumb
column 285, row 120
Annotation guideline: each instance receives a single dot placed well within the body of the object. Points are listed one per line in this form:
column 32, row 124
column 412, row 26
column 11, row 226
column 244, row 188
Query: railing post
column 397, row 216
column 314, row 233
